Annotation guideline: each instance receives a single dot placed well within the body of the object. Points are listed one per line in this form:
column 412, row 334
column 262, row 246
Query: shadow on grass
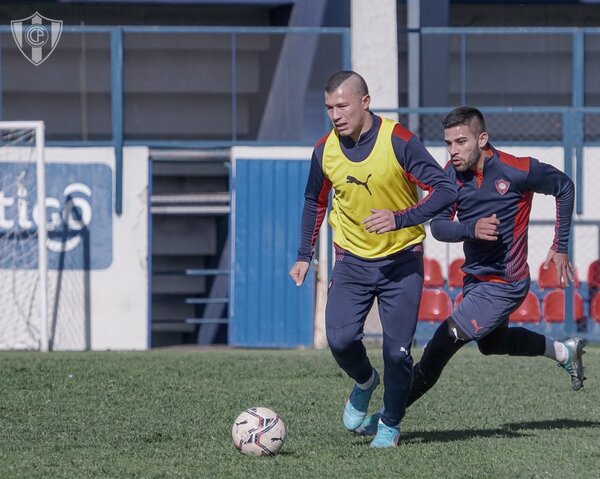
column 508, row 430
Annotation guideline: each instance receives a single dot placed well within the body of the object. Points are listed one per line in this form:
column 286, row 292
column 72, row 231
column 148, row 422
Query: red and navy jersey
column 419, row 166
column 504, row 187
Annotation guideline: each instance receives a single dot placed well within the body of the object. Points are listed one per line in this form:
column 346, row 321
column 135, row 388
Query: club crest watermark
column 36, row 36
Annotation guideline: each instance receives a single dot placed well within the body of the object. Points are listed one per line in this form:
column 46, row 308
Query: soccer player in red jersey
column 495, row 192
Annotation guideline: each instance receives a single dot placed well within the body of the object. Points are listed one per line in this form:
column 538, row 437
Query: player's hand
column 380, row 221
column 298, row 272
column 564, row 267
column 487, row 228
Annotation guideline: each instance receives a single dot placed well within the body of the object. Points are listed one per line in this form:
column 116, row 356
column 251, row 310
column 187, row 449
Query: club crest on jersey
column 502, row 186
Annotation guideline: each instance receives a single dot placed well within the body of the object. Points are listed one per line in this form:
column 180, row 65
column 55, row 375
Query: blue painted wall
column 268, row 310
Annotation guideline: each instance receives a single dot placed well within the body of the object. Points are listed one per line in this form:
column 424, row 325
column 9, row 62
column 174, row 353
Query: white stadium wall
column 99, row 286
column 118, row 288
column 98, row 261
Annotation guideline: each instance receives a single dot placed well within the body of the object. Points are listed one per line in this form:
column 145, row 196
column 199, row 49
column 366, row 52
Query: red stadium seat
column 455, row 274
column 595, row 308
column 435, row 305
column 432, row 274
column 593, row 275
column 529, row 311
column 553, row 306
column 548, row 278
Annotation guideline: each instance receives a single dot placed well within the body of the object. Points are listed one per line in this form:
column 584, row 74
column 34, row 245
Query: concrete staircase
column 190, row 267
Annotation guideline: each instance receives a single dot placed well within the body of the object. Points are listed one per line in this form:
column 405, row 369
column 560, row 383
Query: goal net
column 23, row 253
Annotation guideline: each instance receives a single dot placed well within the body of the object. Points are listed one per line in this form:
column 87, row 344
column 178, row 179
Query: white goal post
column 23, row 237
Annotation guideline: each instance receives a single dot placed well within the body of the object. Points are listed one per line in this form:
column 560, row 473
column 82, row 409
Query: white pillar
column 375, row 50
column 413, row 22
column 375, row 57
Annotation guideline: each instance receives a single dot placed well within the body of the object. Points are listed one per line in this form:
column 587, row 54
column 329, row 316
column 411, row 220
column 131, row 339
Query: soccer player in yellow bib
column 374, row 166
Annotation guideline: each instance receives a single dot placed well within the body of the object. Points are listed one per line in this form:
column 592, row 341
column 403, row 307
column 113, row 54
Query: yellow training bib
column 377, row 182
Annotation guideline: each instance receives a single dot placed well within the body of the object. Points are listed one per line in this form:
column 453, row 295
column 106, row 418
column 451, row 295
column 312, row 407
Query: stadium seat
column 432, row 273
column 528, row 312
column 455, row 274
column 434, row 308
column 553, row 307
column 593, row 275
column 594, row 325
column 548, row 278
column 595, row 308
column 435, row 305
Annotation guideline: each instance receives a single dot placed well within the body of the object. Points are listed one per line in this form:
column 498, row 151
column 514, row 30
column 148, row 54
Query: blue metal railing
column 574, row 111
column 116, row 61
column 577, row 48
column 572, row 139
column 117, row 88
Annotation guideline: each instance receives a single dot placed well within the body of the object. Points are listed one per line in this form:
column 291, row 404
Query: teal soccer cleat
column 574, row 364
column 387, row 436
column 357, row 405
column 369, row 425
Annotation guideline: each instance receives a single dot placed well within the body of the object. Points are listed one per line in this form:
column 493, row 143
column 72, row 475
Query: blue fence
column 267, row 309
column 556, row 61
column 205, row 87
column 112, row 76
column 171, row 87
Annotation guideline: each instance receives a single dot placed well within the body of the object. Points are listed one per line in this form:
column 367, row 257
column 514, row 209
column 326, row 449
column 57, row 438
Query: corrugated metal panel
column 268, row 310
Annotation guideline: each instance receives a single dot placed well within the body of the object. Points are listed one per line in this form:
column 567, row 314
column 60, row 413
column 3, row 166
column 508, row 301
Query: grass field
column 167, row 414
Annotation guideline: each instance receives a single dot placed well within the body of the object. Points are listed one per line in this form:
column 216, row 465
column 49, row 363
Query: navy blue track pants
column 397, row 285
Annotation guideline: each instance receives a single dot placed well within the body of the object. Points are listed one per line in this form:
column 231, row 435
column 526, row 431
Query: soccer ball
column 258, row 431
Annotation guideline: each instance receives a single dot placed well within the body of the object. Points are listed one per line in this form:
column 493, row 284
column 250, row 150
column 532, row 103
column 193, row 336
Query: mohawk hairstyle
column 336, row 80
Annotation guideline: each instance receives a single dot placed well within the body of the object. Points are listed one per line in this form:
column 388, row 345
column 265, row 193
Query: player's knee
column 398, row 355
column 338, row 347
column 339, row 343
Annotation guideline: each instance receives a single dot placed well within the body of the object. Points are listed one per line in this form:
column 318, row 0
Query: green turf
column 169, row 414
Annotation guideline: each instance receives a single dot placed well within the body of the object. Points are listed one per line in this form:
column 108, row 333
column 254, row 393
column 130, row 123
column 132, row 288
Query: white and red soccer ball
column 258, row 431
